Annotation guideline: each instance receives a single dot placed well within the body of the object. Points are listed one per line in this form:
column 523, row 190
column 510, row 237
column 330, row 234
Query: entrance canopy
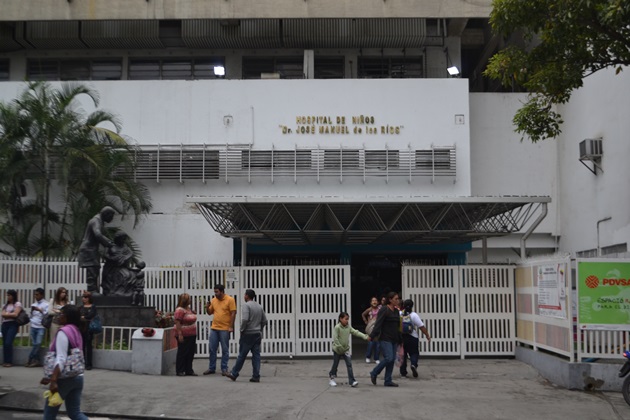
column 378, row 220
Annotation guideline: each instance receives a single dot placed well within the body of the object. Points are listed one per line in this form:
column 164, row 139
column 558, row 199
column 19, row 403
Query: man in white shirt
column 38, row 310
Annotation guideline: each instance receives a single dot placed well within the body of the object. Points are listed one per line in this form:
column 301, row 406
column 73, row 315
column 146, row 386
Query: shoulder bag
column 22, row 318
column 74, row 364
column 47, row 320
column 95, row 326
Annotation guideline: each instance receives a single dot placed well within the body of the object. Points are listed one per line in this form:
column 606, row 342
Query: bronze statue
column 89, row 257
column 120, row 276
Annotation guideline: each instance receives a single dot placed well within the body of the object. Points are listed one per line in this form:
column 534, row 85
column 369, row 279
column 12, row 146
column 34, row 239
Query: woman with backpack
column 411, row 322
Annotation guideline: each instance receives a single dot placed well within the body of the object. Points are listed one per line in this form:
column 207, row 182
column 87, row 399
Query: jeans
column 373, row 347
column 70, row 390
column 388, row 350
column 247, row 343
column 185, row 355
column 348, row 360
column 9, row 331
column 37, row 336
column 411, row 348
column 88, row 337
column 216, row 337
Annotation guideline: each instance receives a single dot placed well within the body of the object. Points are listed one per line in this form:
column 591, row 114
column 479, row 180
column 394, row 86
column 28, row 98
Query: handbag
column 370, row 326
column 22, row 318
column 47, row 320
column 95, row 326
column 74, row 365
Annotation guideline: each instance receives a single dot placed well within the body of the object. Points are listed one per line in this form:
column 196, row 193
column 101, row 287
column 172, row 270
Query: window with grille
column 4, row 70
column 289, row 159
column 286, row 67
column 436, row 158
column 174, row 68
column 329, row 67
column 256, row 159
column 75, row 69
column 335, row 159
column 381, row 159
column 390, row 67
column 615, row 249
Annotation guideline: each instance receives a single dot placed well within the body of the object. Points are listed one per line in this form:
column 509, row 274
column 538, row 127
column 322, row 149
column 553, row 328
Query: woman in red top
column 186, row 333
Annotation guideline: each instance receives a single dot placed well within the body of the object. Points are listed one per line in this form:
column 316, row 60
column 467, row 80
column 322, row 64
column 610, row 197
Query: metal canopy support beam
column 534, row 225
column 294, row 222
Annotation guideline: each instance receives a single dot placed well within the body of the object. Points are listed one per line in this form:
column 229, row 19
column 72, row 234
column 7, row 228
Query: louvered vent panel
column 54, row 35
column 122, row 34
column 7, row 43
column 232, row 33
column 354, row 33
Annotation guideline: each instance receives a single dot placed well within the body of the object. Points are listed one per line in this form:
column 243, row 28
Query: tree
column 563, row 41
column 48, row 142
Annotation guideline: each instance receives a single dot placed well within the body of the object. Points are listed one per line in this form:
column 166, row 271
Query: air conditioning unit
column 591, row 149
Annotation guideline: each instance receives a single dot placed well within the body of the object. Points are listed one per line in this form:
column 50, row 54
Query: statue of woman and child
column 121, row 277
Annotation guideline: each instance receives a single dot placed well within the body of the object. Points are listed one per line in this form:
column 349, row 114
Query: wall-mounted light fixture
column 453, row 71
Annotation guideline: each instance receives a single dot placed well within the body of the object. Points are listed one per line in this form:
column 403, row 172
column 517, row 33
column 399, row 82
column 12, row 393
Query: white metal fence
column 302, row 302
column 469, row 311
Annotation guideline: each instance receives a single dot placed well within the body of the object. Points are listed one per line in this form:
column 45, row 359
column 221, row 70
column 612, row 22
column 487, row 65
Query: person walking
column 223, row 307
column 341, row 348
column 38, row 309
column 387, row 330
column 369, row 317
column 252, row 323
column 10, row 311
column 186, row 333
column 71, row 388
column 54, row 307
column 88, row 312
column 411, row 324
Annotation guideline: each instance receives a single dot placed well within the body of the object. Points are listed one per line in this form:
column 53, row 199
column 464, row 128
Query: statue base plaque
column 117, row 311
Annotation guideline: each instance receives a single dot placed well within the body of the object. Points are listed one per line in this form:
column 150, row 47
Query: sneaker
column 209, row 372
column 229, row 375
column 403, row 375
column 354, row 384
column 254, row 380
column 367, row 360
column 332, row 382
column 29, row 363
column 377, row 362
column 394, row 384
column 224, row 373
column 373, row 379
column 414, row 370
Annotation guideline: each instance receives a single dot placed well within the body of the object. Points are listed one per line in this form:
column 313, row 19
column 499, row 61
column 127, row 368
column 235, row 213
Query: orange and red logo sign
column 592, row 282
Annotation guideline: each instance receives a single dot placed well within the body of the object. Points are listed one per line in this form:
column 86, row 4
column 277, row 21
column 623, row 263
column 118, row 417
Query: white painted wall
column 502, row 165
column 491, row 159
column 600, row 109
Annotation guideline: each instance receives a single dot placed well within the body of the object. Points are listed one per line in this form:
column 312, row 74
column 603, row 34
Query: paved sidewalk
column 298, row 389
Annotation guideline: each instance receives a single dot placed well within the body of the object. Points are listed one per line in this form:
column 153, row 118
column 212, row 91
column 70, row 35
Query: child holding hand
column 341, row 348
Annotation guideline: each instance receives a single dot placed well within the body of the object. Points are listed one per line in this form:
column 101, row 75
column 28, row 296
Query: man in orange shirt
column 223, row 307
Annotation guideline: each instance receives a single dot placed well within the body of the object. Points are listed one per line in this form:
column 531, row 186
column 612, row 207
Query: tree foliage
column 562, row 42
column 75, row 162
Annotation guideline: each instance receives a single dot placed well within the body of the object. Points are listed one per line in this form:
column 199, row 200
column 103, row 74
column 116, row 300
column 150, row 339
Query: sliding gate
column 302, row 303
column 468, row 310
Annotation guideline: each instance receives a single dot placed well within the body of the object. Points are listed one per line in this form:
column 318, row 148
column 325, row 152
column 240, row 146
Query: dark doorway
column 372, row 275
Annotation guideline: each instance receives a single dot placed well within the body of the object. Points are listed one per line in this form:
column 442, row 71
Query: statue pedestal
column 117, row 311
column 127, row 316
